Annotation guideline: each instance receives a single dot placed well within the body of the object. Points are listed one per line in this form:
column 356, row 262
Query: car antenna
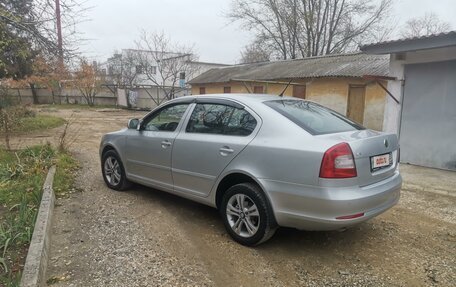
column 281, row 94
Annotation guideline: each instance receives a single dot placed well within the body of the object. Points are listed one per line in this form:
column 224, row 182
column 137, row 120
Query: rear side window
column 314, row 118
column 221, row 119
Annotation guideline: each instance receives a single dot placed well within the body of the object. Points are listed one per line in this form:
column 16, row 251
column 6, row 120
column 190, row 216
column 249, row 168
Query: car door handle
column 165, row 144
column 224, row 151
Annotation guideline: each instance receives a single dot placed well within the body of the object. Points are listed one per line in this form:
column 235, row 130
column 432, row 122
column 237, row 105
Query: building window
column 139, row 69
column 226, row 90
column 202, row 90
column 258, row 89
column 152, row 70
column 299, row 91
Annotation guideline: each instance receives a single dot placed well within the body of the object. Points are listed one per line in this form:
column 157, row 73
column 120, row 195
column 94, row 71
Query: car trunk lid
column 375, row 153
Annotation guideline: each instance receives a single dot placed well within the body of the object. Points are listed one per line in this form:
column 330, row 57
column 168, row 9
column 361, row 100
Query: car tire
column 113, row 171
column 247, row 215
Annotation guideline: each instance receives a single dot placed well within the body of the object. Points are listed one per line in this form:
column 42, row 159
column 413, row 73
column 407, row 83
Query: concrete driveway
column 144, row 237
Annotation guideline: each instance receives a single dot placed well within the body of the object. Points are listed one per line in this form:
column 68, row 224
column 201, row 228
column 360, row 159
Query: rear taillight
column 338, row 162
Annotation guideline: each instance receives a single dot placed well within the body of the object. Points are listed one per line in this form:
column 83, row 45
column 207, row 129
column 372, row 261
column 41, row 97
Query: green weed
column 39, row 123
column 22, row 175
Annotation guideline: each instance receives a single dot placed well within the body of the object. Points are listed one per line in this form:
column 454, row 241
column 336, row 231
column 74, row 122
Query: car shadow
column 184, row 208
column 206, row 218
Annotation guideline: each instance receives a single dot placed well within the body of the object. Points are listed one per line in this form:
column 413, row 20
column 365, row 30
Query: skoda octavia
column 263, row 161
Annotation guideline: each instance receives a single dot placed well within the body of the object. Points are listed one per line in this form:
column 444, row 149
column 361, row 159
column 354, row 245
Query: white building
column 160, row 73
column 424, row 115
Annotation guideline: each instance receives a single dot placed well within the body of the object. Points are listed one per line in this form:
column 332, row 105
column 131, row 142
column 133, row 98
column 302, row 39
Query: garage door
column 428, row 130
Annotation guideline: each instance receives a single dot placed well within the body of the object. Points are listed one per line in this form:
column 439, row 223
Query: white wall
column 434, row 55
column 392, row 109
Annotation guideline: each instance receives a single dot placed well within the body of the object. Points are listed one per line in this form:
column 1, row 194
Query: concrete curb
column 37, row 256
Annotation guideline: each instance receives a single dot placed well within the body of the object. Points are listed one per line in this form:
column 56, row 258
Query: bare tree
column 165, row 62
column 48, row 73
column 128, row 71
column 28, row 29
column 426, row 25
column 88, row 82
column 122, row 68
column 255, row 52
column 303, row 28
column 10, row 112
column 122, row 71
column 36, row 20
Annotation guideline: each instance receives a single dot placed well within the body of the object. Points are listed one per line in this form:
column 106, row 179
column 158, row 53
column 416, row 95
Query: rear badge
column 385, row 142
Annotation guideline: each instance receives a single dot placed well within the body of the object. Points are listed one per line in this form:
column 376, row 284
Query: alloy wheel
column 243, row 215
column 112, row 170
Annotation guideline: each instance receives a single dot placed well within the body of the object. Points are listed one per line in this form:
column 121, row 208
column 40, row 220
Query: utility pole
column 60, row 66
column 59, row 32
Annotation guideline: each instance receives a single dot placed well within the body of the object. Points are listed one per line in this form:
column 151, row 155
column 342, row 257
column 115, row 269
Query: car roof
column 242, row 98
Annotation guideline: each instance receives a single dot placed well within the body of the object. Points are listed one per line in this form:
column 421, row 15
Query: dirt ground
column 144, row 237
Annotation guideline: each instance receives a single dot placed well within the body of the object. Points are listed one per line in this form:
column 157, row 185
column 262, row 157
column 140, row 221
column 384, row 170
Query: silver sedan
column 263, row 161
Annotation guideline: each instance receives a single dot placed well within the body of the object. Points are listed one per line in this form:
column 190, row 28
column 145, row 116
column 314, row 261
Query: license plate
column 381, row 161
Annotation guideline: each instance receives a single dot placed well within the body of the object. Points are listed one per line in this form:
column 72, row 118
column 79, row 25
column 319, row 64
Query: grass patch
column 79, row 106
column 22, row 175
column 39, row 123
column 64, row 175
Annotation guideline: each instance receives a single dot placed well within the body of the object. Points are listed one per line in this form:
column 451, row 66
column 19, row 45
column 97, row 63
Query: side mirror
column 133, row 124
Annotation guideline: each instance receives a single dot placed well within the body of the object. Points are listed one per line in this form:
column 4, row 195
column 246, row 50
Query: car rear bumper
column 317, row 208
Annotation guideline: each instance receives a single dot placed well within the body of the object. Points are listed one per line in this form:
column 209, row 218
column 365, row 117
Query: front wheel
column 246, row 214
column 113, row 171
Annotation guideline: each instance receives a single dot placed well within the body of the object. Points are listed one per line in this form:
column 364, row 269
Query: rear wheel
column 246, row 214
column 113, row 171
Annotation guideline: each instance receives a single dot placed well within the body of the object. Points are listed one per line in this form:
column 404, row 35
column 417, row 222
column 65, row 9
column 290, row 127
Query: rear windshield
column 312, row 117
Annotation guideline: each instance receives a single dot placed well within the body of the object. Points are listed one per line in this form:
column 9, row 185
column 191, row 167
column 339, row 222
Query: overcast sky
column 115, row 25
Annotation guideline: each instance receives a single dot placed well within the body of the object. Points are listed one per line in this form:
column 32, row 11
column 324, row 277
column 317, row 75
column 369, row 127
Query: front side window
column 313, row 118
column 166, row 119
column 221, row 119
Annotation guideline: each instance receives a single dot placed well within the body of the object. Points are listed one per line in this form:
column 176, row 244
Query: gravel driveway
column 144, row 237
